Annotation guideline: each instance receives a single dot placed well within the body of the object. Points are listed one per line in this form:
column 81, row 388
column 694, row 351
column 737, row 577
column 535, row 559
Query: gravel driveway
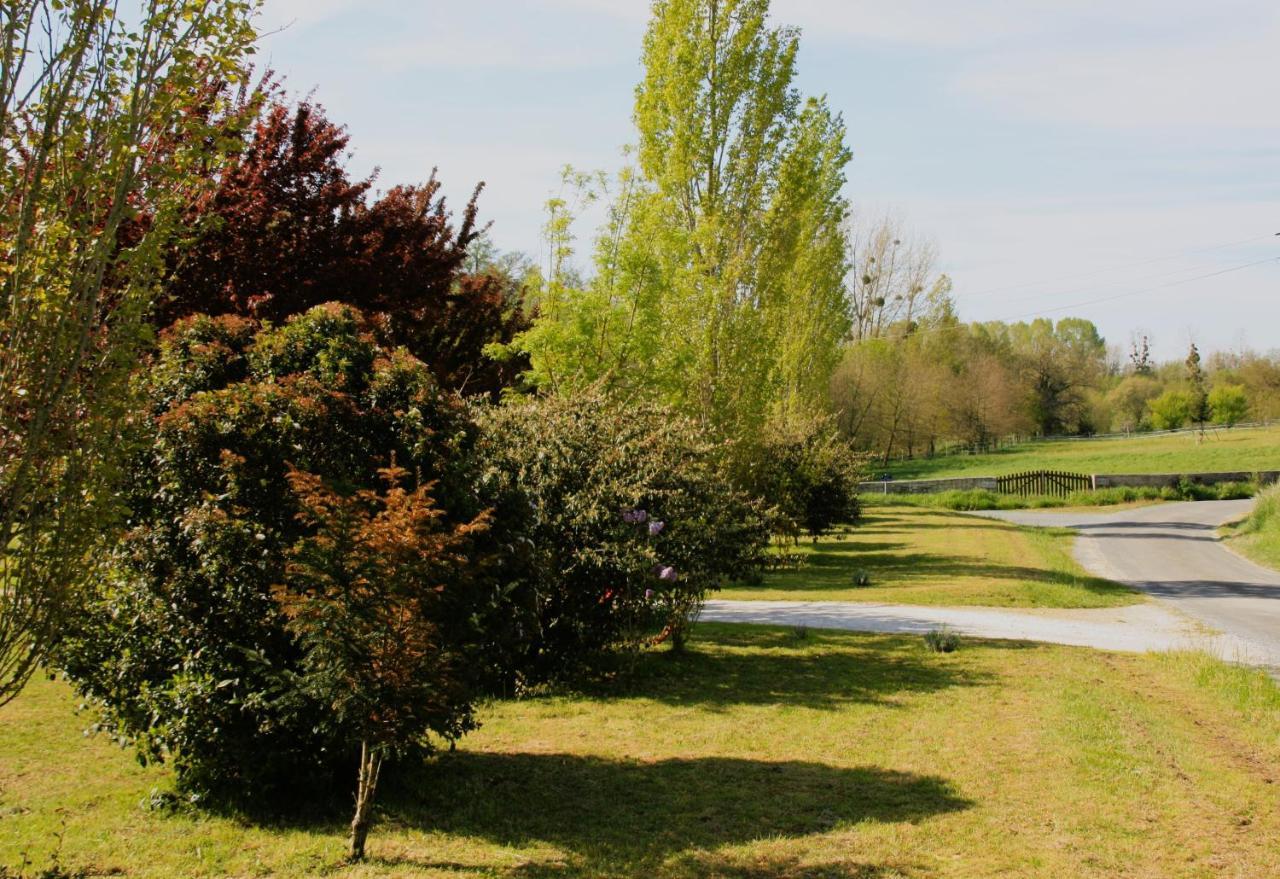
column 1207, row 597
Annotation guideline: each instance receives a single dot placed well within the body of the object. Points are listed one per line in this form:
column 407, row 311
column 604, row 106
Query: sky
column 1111, row 159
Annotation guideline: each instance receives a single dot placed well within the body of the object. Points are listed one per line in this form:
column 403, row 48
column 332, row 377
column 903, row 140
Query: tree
column 1171, row 410
column 1229, row 404
column 892, row 279
column 184, row 648
column 1140, row 355
column 362, row 597
column 1130, row 398
column 287, row 229
column 1062, row 361
column 719, row 275
column 1198, row 390
column 102, row 121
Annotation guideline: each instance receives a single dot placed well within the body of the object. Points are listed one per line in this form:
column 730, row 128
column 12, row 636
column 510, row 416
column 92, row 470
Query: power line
column 965, row 326
column 1120, row 267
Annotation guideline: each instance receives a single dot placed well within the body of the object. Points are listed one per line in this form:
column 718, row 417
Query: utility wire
column 1120, row 267
column 965, row 326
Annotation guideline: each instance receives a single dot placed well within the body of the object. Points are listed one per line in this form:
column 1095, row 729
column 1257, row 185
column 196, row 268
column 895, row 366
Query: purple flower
column 634, row 517
column 648, row 593
column 655, row 527
column 668, row 573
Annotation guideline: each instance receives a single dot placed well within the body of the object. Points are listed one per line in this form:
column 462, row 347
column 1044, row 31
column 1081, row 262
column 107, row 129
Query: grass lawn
column 1246, row 449
column 759, row 754
column 923, row 556
column 1258, row 536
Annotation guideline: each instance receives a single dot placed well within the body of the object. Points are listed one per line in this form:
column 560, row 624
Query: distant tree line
column 913, row 379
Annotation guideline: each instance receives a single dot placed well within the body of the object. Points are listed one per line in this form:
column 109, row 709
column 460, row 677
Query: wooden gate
column 1050, row 482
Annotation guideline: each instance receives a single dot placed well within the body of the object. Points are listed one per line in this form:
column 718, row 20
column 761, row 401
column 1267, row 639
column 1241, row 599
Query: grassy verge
column 759, row 754
column 1104, row 497
column 923, row 556
column 1247, row 449
column 1258, row 536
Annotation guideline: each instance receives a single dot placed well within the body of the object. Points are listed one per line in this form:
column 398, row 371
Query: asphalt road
column 1172, row 552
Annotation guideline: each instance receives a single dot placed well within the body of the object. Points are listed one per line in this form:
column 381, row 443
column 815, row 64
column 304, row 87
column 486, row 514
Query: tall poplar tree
column 719, row 275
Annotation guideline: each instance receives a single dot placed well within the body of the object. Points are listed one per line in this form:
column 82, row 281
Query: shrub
column 187, row 649
column 633, row 521
column 809, row 473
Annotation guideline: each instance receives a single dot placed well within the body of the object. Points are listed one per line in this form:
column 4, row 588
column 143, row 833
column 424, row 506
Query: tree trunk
column 367, row 787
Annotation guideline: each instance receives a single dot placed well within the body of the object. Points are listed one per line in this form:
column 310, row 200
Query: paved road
column 1169, row 550
column 1172, row 552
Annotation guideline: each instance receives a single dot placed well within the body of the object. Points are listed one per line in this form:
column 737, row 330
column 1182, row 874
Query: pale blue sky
column 1058, row 152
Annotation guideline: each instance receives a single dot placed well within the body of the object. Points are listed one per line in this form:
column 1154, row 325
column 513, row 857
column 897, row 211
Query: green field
column 759, row 754
column 1246, row 449
column 923, row 556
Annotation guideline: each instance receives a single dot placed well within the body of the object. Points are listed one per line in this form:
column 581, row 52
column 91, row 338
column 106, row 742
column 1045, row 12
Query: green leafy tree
column 1171, row 410
column 1197, row 389
column 1229, row 404
column 103, row 122
column 718, row 281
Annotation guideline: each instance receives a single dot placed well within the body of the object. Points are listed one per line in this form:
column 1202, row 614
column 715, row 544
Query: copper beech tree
column 287, row 228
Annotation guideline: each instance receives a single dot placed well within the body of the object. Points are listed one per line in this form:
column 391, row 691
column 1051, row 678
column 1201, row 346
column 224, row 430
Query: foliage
column 808, row 473
column 286, row 229
column 363, row 598
column 942, row 640
column 981, row 499
column 718, row 284
column 186, row 650
column 634, row 521
column 99, row 121
column 1171, row 410
column 1197, row 389
column 1258, row 535
column 1229, row 404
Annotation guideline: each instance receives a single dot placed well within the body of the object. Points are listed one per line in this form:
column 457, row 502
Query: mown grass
column 1243, row 449
column 914, row 555
column 1258, row 536
column 758, row 754
column 981, row 499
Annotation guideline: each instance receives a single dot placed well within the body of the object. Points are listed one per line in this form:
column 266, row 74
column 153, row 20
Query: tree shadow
column 773, row 667
column 628, row 817
column 832, row 567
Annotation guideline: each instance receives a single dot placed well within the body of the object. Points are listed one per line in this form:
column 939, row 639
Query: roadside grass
column 914, row 555
column 981, row 499
column 1258, row 536
column 1244, row 449
column 762, row 752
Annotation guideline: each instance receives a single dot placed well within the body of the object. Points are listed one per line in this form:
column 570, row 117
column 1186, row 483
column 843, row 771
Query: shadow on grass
column 832, row 566
column 773, row 667
column 629, row 817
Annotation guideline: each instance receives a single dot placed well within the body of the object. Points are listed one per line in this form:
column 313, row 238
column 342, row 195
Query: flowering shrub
column 633, row 521
column 188, row 649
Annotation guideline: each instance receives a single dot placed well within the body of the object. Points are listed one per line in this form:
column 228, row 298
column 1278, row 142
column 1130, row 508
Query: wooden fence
column 1044, row 482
